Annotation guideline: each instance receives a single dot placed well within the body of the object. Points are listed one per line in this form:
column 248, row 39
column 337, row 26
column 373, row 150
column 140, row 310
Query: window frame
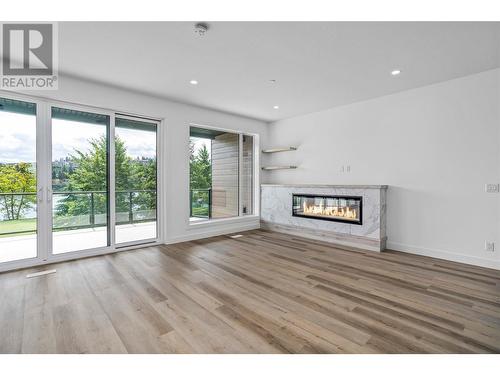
column 255, row 180
column 159, row 196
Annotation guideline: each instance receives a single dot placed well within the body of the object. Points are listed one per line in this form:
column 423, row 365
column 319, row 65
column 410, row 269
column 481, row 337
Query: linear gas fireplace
column 344, row 209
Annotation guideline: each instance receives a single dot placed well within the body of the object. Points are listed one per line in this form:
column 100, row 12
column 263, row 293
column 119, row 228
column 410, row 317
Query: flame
column 320, row 210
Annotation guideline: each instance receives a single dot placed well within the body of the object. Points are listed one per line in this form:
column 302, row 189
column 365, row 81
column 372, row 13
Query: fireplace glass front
column 344, row 209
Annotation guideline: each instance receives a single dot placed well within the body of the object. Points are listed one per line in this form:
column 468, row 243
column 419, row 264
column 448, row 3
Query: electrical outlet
column 489, row 246
column 491, row 188
column 345, row 169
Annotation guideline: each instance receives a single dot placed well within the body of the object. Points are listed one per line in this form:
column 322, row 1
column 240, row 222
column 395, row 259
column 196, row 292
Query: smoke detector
column 201, row 29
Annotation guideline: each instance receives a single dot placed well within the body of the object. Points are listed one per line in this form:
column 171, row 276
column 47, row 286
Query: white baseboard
column 446, row 255
column 212, row 232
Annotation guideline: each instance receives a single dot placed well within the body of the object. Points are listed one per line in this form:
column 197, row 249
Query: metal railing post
column 209, row 203
column 130, row 208
column 92, row 209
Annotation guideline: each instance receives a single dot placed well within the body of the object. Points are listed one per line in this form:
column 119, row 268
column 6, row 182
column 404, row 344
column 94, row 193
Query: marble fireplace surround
column 276, row 215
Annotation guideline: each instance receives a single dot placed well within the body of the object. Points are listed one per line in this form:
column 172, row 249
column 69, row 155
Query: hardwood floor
column 264, row 292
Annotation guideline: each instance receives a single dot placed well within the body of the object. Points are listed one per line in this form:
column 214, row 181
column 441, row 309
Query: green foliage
column 61, row 171
column 191, row 150
column 16, row 178
column 200, row 210
column 200, row 178
column 90, row 174
column 17, row 227
column 84, row 172
column 200, row 169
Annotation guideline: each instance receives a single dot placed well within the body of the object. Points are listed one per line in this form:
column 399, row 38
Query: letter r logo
column 27, row 49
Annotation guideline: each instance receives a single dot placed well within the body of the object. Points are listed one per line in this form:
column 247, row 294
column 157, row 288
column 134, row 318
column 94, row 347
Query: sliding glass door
column 18, row 180
column 135, row 180
column 74, row 181
column 80, row 180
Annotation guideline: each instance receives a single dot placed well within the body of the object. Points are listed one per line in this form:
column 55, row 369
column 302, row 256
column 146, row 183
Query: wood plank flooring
column 264, row 292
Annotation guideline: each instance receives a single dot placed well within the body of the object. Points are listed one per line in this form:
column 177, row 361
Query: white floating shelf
column 279, row 149
column 273, row 168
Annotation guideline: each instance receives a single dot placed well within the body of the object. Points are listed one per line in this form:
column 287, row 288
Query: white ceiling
column 317, row 65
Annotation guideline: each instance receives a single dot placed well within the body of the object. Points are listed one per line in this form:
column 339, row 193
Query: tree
column 90, row 175
column 201, row 170
column 200, row 178
column 143, row 177
column 17, row 178
column 191, row 150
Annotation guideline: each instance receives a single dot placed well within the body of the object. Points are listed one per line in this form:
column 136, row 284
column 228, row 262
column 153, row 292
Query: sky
column 18, row 138
column 70, row 135
column 138, row 142
column 199, row 142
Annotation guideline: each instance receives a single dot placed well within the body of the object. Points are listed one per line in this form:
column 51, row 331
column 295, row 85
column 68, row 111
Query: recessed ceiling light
column 193, row 82
column 276, row 107
column 396, row 72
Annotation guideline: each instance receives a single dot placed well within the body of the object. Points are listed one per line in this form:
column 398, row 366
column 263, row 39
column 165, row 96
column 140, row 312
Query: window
column 221, row 174
column 247, row 184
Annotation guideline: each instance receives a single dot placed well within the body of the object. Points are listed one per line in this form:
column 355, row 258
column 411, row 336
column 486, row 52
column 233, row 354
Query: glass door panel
column 135, row 180
column 80, row 180
column 18, row 180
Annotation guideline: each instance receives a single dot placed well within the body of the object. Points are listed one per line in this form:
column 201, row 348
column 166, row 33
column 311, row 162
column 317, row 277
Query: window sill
column 222, row 222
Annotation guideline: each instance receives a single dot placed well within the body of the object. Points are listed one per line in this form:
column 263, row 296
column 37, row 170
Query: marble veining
column 276, row 208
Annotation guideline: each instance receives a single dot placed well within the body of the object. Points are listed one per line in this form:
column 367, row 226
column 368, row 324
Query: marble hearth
column 276, row 214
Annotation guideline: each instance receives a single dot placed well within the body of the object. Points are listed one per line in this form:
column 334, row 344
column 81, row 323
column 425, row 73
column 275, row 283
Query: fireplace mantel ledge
column 328, row 186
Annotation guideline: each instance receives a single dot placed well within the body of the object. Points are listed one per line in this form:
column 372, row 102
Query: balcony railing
column 132, row 206
column 200, row 203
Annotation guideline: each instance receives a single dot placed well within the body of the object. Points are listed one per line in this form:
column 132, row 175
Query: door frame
column 110, row 178
column 159, row 195
column 44, row 182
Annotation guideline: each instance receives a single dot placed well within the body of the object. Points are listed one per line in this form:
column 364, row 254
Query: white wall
column 436, row 147
column 177, row 118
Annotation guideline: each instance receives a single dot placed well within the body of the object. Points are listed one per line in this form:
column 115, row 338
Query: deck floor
column 25, row 246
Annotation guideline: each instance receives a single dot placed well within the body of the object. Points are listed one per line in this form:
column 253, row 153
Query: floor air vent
column 36, row 274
